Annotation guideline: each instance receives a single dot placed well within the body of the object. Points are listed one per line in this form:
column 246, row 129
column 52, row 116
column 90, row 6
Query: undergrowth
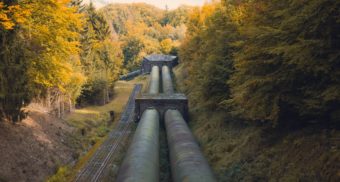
column 239, row 151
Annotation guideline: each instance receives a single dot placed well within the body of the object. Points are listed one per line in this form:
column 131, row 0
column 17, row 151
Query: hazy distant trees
column 144, row 29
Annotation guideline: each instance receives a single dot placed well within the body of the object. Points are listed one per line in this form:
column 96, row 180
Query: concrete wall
column 147, row 65
column 161, row 102
column 158, row 60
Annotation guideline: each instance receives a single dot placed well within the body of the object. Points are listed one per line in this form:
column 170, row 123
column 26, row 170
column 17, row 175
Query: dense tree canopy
column 207, row 49
column 48, row 50
column 259, row 60
column 101, row 58
column 266, row 60
column 59, row 52
column 39, row 43
column 289, row 67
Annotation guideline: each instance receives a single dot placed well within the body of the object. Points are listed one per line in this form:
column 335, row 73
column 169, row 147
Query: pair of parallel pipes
column 142, row 161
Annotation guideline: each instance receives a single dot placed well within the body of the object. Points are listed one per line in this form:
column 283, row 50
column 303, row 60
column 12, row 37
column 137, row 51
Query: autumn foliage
column 266, row 61
column 42, row 57
column 63, row 53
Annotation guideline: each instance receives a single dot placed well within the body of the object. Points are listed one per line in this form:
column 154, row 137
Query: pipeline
column 131, row 75
column 141, row 163
column 154, row 80
column 187, row 161
column 167, row 81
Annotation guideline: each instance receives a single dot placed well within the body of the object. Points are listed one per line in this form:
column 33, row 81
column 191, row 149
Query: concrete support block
column 158, row 60
column 161, row 102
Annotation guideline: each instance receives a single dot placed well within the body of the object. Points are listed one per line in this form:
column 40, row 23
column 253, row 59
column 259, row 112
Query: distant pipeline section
column 168, row 88
column 148, row 62
column 154, row 81
column 141, row 163
column 131, row 75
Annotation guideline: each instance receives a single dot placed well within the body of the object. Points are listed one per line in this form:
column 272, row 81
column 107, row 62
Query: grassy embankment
column 241, row 151
column 94, row 120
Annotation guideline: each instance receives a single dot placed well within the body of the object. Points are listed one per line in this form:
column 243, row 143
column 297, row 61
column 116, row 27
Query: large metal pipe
column 154, row 80
column 167, row 81
column 187, row 161
column 141, row 163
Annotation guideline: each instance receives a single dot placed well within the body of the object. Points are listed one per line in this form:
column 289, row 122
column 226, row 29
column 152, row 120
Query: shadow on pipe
column 187, row 161
column 141, row 163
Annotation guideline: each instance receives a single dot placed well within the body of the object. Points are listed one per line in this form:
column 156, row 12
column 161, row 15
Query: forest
column 65, row 54
column 262, row 77
column 272, row 62
column 263, row 83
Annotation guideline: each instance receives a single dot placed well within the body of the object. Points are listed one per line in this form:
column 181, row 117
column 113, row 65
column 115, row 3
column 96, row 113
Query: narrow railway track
column 141, row 162
column 98, row 168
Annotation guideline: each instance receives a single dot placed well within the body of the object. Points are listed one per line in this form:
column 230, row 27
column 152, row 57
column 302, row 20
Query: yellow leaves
column 136, row 28
column 8, row 25
column 198, row 17
column 53, row 28
column 166, row 46
column 238, row 13
column 5, row 21
column 12, row 15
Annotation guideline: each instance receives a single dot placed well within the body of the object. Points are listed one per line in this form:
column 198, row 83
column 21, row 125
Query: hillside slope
column 243, row 152
column 34, row 148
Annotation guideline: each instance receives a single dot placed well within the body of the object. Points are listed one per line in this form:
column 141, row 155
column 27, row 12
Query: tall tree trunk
column 104, row 96
column 58, row 107
column 62, row 105
column 70, row 104
column 107, row 95
column 48, row 99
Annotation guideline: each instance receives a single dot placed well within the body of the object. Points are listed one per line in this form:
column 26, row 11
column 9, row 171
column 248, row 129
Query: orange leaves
column 53, row 32
column 238, row 13
column 166, row 46
column 5, row 19
column 12, row 15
